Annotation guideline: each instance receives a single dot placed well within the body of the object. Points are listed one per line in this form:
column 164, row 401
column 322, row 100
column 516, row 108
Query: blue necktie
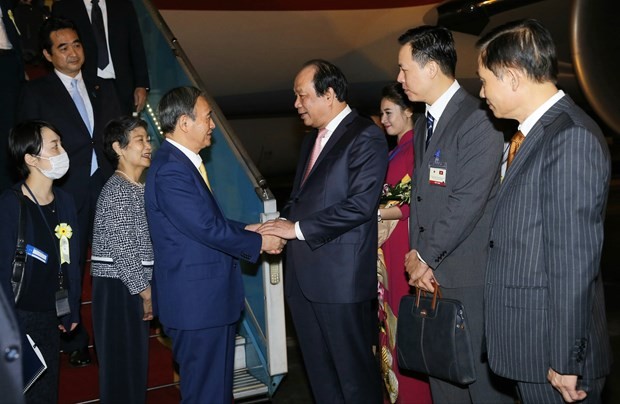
column 81, row 107
column 429, row 128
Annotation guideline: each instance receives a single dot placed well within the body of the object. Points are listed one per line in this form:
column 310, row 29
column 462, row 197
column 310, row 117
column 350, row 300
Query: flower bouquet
column 398, row 194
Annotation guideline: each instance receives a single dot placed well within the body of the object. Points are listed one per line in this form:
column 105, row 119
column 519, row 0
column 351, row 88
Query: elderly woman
column 50, row 287
column 122, row 261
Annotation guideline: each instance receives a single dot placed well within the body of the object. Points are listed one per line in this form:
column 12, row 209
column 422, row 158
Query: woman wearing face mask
column 397, row 119
column 122, row 266
column 50, row 289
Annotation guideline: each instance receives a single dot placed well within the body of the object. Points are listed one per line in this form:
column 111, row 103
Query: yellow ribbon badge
column 64, row 232
column 12, row 18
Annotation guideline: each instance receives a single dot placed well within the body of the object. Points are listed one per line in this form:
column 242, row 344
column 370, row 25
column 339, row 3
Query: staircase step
column 245, row 385
column 240, row 362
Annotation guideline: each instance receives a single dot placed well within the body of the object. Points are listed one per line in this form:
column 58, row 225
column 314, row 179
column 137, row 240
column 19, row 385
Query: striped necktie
column 429, row 128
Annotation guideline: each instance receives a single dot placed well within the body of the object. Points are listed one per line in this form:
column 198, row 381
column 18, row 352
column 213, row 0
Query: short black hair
column 50, row 25
column 526, row 45
column 25, row 138
column 175, row 103
column 395, row 93
column 432, row 43
column 327, row 75
column 118, row 130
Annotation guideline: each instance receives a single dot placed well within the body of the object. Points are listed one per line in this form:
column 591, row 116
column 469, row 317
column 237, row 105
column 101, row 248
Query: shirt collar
column 195, row 158
column 436, row 110
column 66, row 80
column 531, row 120
column 333, row 124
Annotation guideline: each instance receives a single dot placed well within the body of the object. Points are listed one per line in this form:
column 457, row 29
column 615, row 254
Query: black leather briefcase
column 432, row 337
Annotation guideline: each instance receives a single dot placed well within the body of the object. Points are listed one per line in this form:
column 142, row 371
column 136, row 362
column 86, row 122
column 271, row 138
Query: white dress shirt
column 66, row 81
column 108, row 72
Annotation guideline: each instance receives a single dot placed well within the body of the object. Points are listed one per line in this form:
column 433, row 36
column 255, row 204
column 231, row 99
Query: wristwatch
column 378, row 215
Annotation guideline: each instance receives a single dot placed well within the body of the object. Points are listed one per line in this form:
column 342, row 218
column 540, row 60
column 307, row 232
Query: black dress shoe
column 79, row 358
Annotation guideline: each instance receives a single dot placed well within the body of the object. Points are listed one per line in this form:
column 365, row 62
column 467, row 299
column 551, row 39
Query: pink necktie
column 315, row 152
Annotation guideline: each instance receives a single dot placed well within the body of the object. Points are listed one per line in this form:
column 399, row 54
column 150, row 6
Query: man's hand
column 272, row 244
column 566, row 385
column 139, row 98
column 253, row 227
column 420, row 274
column 282, row 228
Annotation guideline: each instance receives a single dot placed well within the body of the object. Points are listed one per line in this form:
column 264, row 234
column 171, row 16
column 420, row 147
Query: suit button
column 421, row 229
column 11, row 353
column 419, row 199
column 296, row 200
column 491, row 244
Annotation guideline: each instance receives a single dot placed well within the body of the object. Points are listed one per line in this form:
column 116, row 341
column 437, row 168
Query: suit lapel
column 531, row 144
column 449, row 118
column 329, row 146
column 190, row 166
column 59, row 91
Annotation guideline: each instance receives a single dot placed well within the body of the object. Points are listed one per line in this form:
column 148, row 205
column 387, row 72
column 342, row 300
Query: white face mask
column 60, row 166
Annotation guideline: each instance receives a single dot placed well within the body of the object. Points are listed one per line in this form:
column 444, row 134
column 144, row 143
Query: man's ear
column 330, row 94
column 47, row 55
column 515, row 76
column 183, row 122
column 432, row 68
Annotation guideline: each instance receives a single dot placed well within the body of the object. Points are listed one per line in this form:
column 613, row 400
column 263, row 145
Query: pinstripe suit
column 544, row 304
column 449, row 225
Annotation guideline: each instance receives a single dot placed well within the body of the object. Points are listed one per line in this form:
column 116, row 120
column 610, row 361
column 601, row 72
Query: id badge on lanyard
column 438, row 170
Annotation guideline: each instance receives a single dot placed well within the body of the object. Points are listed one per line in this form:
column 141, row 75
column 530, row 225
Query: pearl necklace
column 128, row 178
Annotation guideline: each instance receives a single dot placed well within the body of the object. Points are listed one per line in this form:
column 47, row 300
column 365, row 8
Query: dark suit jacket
column 544, row 304
column 449, row 226
column 125, row 41
column 11, row 80
column 196, row 280
column 337, row 211
column 9, row 213
column 11, row 32
column 47, row 98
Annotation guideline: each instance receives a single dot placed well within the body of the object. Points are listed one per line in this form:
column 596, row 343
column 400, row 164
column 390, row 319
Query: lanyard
column 49, row 229
column 397, row 150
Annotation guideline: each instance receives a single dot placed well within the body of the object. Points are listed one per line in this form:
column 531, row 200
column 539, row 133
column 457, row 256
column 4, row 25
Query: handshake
column 274, row 233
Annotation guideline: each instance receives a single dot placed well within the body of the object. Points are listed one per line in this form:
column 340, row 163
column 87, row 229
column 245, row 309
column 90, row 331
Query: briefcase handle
column 419, row 292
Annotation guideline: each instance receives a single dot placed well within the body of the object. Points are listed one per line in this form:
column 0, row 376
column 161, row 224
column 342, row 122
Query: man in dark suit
column 544, row 304
column 331, row 279
column 70, row 102
column 115, row 58
column 456, row 177
column 197, row 286
column 11, row 80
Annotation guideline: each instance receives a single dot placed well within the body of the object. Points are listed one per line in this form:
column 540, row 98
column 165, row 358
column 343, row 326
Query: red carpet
column 80, row 384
